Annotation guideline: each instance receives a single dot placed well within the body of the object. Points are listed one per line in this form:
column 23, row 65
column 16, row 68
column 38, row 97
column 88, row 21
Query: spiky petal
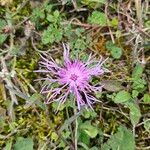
column 73, row 77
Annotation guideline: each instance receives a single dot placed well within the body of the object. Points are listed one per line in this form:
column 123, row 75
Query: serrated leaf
column 135, row 113
column 50, row 18
column 56, row 13
column 48, row 7
column 53, row 18
column 112, row 86
column 80, row 44
column 122, row 140
column 23, row 144
column 135, row 93
column 138, row 84
column 47, row 37
column 89, row 113
column 137, row 71
column 109, row 45
column 52, row 34
column 98, row 18
column 122, row 96
column 37, row 14
column 115, row 51
column 66, row 134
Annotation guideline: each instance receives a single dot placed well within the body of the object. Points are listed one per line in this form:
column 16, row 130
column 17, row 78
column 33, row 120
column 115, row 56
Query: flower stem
column 76, row 131
column 76, row 135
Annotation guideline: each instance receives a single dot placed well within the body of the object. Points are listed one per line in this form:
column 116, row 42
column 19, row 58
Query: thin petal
column 66, row 53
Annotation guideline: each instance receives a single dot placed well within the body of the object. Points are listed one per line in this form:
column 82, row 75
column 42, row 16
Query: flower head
column 72, row 77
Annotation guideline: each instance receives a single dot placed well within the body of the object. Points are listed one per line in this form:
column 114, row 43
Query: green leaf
column 2, row 24
column 2, row 113
column 56, row 13
column 84, row 137
column 94, row 148
column 89, row 129
column 146, row 98
column 135, row 113
column 80, row 44
column 114, row 22
column 98, row 1
column 135, row 93
column 137, row 71
column 138, row 84
column 115, row 51
column 118, row 34
column 122, row 96
column 147, row 24
column 53, row 18
column 52, row 34
column 89, row 113
column 79, row 32
column 23, row 144
column 54, row 136
column 62, row 144
column 37, row 14
column 147, row 125
column 2, row 38
column 109, row 45
column 48, row 7
column 83, row 145
column 8, row 145
column 35, row 99
column 48, row 36
column 66, row 134
column 98, row 18
column 50, row 18
column 122, row 140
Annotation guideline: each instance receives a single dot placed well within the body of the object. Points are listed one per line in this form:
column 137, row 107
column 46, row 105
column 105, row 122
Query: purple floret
column 72, row 77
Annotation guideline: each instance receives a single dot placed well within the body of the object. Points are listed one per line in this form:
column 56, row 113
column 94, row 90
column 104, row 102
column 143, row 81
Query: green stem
column 76, row 131
column 69, row 124
column 76, row 134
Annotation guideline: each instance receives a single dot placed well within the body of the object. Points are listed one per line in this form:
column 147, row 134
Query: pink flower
column 72, row 77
